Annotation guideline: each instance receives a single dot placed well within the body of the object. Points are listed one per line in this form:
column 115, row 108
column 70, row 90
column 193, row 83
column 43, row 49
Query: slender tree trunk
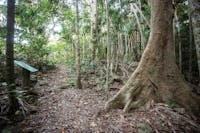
column 194, row 6
column 157, row 78
column 117, row 51
column 94, row 27
column 134, row 46
column 190, row 48
column 179, row 41
column 83, row 49
column 10, row 55
column 78, row 55
column 142, row 38
column 108, row 45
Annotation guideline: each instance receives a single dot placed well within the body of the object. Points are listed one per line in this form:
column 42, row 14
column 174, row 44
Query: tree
column 157, row 78
column 94, row 27
column 33, row 31
column 179, row 40
column 10, row 55
column 108, row 45
column 194, row 6
column 78, row 64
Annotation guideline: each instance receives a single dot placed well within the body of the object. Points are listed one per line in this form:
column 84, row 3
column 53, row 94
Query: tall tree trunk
column 157, row 78
column 194, row 6
column 10, row 55
column 78, row 55
column 108, row 45
column 94, row 27
column 190, row 48
column 179, row 41
column 142, row 38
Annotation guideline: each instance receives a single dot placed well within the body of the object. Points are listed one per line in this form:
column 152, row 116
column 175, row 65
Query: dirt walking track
column 71, row 110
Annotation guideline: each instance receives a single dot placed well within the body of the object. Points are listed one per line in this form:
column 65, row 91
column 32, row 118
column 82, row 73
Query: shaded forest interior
column 99, row 66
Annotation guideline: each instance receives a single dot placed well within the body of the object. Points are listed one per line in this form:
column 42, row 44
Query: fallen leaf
column 107, row 115
column 93, row 124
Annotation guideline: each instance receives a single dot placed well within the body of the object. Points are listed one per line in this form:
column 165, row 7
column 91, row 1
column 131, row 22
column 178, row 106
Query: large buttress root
column 134, row 95
column 140, row 92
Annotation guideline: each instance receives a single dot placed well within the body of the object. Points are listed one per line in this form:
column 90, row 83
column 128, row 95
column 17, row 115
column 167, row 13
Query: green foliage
column 61, row 53
column 2, row 50
column 6, row 131
column 171, row 104
column 31, row 24
column 2, row 60
column 88, row 64
column 35, row 53
column 35, row 21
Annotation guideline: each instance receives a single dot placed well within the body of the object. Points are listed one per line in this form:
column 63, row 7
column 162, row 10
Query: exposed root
column 141, row 92
column 25, row 107
column 115, row 102
column 132, row 96
column 164, row 111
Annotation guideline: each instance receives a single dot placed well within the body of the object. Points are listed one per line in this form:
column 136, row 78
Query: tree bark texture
column 108, row 45
column 78, row 55
column 10, row 55
column 157, row 78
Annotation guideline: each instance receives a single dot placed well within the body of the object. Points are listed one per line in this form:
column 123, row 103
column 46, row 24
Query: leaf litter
column 69, row 110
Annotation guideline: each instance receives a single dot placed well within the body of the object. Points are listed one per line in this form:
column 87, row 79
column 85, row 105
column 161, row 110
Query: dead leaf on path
column 93, row 124
column 107, row 115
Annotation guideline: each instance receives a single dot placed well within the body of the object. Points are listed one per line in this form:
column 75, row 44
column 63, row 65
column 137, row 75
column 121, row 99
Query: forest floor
column 68, row 110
